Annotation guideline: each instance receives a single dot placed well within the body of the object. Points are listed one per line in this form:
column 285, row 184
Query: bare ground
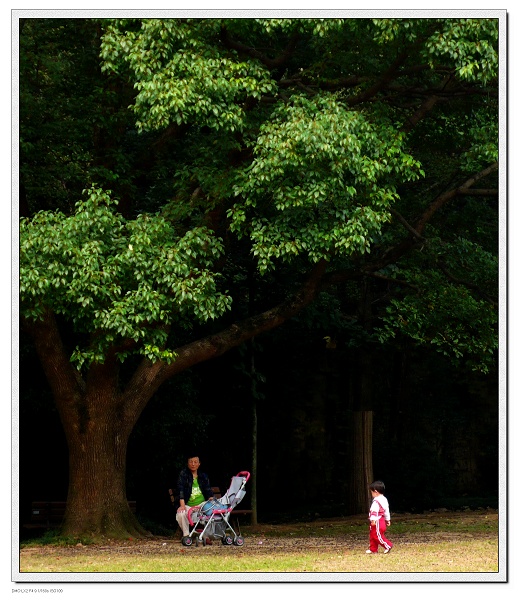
column 320, row 534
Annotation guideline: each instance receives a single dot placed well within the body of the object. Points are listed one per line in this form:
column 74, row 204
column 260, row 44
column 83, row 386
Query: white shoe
column 369, row 552
column 387, row 550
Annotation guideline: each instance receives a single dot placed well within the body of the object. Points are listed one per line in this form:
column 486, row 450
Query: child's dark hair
column 377, row 486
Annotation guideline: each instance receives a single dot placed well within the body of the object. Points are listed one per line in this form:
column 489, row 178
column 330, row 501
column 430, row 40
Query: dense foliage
column 97, row 272
column 321, row 178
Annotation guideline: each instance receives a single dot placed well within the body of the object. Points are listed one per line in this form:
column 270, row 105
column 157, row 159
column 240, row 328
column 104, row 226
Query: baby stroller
column 211, row 519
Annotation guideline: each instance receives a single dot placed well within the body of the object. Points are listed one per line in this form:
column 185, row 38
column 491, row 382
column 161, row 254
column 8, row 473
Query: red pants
column 377, row 536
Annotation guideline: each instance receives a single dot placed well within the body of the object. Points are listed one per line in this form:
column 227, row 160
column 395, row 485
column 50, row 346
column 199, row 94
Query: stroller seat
column 210, row 520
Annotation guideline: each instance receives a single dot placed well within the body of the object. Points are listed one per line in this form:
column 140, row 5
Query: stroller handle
column 244, row 474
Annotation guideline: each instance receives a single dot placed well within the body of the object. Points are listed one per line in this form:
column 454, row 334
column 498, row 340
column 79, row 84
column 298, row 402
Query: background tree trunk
column 362, row 470
column 254, row 395
column 254, row 519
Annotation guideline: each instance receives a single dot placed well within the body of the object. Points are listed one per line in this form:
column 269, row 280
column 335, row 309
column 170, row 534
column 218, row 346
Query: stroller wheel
column 227, row 540
column 187, row 541
column 239, row 541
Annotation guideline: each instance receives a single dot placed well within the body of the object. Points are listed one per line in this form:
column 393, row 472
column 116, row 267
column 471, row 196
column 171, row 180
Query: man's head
column 193, row 463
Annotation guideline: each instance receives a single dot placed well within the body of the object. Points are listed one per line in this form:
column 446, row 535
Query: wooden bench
column 51, row 513
column 217, row 495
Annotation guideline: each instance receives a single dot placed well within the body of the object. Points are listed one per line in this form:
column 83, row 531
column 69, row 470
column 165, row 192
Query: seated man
column 193, row 488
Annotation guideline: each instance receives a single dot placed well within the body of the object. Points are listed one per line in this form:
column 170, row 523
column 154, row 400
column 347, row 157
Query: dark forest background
column 435, row 438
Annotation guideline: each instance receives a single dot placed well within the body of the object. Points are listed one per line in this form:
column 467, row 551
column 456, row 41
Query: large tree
column 319, row 153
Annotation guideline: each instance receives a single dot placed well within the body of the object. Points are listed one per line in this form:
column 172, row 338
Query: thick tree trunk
column 96, row 502
column 97, row 421
column 97, row 427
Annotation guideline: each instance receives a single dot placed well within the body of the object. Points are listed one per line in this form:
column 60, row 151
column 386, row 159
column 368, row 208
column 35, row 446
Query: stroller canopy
column 236, row 490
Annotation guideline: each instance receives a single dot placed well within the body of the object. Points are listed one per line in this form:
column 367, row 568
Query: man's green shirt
column 196, row 495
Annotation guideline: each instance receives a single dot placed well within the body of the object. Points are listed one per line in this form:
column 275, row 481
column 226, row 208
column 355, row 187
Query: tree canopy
column 276, row 140
column 227, row 162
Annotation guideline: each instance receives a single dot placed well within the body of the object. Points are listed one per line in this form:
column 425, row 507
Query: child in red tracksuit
column 379, row 517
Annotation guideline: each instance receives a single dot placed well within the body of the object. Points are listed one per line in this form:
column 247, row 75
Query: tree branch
column 406, row 224
column 468, row 284
column 344, row 82
column 480, row 192
column 271, row 63
column 429, row 103
column 63, row 378
column 420, row 113
column 387, row 76
column 447, row 196
column 392, row 280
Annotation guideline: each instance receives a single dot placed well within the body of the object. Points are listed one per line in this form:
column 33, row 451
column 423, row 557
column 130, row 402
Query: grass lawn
column 464, row 542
